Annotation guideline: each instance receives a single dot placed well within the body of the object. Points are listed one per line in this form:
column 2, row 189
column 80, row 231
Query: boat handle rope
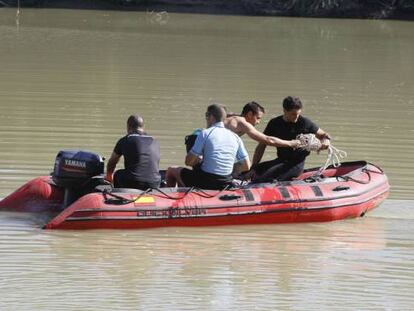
column 123, row 201
column 349, row 178
column 381, row 171
column 196, row 191
column 204, row 194
column 167, row 196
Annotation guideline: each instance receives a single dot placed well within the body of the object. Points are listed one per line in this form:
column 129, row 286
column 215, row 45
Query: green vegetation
column 332, row 8
column 305, row 8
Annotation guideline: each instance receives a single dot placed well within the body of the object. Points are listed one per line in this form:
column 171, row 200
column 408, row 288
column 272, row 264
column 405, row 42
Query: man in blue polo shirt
column 219, row 151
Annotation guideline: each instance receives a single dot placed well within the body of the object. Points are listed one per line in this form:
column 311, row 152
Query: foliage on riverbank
column 332, row 8
column 380, row 9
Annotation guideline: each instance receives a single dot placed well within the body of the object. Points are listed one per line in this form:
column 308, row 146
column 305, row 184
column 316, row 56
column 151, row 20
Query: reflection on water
column 243, row 267
column 69, row 79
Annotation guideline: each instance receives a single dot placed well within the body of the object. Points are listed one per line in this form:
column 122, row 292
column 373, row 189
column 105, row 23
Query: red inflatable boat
column 347, row 191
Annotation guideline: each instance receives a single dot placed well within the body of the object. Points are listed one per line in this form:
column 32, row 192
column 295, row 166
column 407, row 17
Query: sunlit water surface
column 69, row 79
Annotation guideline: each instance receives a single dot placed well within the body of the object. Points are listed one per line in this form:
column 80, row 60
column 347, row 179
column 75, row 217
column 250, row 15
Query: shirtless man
column 251, row 115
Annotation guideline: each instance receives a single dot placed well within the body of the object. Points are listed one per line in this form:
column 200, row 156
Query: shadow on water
column 23, row 221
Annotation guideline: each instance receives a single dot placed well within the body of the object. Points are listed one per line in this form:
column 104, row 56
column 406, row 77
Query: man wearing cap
column 141, row 158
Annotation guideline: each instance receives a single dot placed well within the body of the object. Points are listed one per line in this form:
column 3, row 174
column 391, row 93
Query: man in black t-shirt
column 289, row 162
column 141, row 158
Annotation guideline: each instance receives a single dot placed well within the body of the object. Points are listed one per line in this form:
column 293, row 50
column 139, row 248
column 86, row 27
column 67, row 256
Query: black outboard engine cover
column 74, row 168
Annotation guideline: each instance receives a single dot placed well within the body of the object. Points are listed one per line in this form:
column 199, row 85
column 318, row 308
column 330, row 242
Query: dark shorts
column 123, row 179
column 278, row 170
column 200, row 179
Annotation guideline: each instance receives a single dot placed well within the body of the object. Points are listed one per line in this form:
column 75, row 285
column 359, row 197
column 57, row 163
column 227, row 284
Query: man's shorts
column 200, row 179
column 122, row 179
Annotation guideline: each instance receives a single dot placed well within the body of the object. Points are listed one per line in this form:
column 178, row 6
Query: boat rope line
column 211, row 215
column 380, row 170
column 166, row 195
column 349, row 178
column 310, row 142
column 203, row 194
column 194, row 190
column 270, row 202
column 366, row 171
column 120, row 200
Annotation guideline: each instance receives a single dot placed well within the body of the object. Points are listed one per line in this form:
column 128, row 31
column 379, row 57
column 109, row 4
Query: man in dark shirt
column 289, row 162
column 141, row 158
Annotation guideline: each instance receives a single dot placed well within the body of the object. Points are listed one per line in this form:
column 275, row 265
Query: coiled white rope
column 310, row 142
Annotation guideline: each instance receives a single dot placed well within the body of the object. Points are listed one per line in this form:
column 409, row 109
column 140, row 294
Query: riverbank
column 374, row 9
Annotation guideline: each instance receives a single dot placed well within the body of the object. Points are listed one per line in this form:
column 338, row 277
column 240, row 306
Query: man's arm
column 324, row 138
column 110, row 167
column 258, row 153
column 191, row 159
column 258, row 136
column 321, row 134
column 241, row 166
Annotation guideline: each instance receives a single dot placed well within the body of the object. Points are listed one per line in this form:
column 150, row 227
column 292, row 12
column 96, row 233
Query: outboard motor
column 77, row 171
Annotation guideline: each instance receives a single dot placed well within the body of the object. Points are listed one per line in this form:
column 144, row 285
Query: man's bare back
column 236, row 124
